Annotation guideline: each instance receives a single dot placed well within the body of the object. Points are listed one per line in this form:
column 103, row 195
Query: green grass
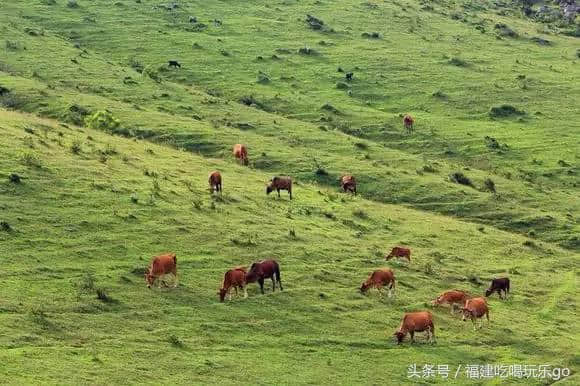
column 93, row 206
column 80, row 224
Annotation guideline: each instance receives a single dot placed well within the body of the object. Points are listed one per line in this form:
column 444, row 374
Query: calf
column 498, row 285
column 280, row 183
column 408, row 122
column 241, row 153
column 235, row 278
column 348, row 184
column 215, row 182
column 399, row 252
column 416, row 322
column 160, row 266
column 266, row 269
column 174, row 64
column 452, row 297
column 349, row 76
column 474, row 309
column 378, row 279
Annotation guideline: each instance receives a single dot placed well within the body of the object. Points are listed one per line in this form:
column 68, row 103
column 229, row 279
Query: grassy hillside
column 494, row 95
column 92, row 209
column 436, row 64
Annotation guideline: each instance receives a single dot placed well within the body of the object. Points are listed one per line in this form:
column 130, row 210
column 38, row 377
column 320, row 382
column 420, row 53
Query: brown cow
column 452, row 297
column 215, row 182
column 235, row 278
column 348, row 184
column 241, row 153
column 408, row 122
column 280, row 183
column 399, row 252
column 416, row 322
column 266, row 269
column 474, row 309
column 378, row 279
column 160, row 266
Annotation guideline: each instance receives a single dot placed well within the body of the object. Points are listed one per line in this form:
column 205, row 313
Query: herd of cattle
column 473, row 308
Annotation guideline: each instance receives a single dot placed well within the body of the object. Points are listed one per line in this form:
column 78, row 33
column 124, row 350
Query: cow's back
column 478, row 306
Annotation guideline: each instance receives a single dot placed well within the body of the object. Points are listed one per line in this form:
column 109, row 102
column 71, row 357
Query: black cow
column 349, row 75
column 498, row 285
column 174, row 63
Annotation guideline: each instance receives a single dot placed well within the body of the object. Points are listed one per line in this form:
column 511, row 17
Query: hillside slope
column 91, row 209
column 245, row 78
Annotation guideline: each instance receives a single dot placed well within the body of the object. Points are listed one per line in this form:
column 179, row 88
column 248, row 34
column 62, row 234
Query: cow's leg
column 261, row 282
column 245, row 292
column 432, row 332
column 273, row 283
column 230, row 293
column 278, row 190
column 236, row 288
column 452, row 309
column 290, row 193
column 473, row 321
column 175, row 279
column 412, row 333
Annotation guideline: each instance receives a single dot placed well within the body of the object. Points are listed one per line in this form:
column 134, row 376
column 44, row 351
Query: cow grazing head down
column 488, row 292
column 364, row 287
column 269, row 189
column 149, row 279
column 399, row 336
column 222, row 293
column 467, row 314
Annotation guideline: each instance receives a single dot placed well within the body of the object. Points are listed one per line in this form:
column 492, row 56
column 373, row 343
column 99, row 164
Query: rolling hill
column 106, row 152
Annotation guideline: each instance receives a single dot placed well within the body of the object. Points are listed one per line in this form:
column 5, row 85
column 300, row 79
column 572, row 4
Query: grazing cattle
column 474, row 309
column 399, row 252
column 416, row 322
column 280, row 183
column 349, row 76
column 348, row 184
column 266, row 269
column 241, row 153
column 160, row 266
column 378, row 279
column 408, row 122
column 174, row 64
column 498, row 285
column 235, row 278
column 452, row 297
column 215, row 182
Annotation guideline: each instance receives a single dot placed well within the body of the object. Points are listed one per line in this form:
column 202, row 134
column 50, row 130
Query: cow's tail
column 277, row 273
column 508, row 286
column 174, row 259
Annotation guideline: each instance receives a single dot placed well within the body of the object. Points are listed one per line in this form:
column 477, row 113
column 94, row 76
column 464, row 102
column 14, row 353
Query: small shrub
column 5, row 227
column 14, row 178
column 360, row 214
column 292, row 233
column 314, row 23
column 12, row 45
column 103, row 296
column 504, row 111
column 458, row 62
column 481, row 228
column 197, row 203
column 473, row 278
column 429, row 168
column 342, row 86
column 328, row 107
column 102, row 120
column 307, row 51
column 329, row 215
column 439, row 94
column 87, row 283
column 76, row 146
column 30, row 159
column 489, row 185
column 72, row 4
column 263, row 78
column 504, row 30
column 134, row 198
column 428, row 269
column 460, row 178
column 361, row 145
column 175, row 341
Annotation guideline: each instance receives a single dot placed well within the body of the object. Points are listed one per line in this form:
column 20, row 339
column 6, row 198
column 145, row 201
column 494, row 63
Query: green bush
column 102, row 120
